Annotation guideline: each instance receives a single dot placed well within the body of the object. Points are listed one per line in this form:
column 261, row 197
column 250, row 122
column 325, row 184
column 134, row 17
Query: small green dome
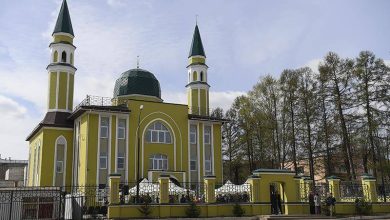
column 137, row 82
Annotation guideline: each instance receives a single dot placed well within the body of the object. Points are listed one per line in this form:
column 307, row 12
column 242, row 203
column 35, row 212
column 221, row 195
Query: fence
column 74, row 202
column 31, row 203
column 383, row 192
column 231, row 193
column 147, row 191
column 349, row 190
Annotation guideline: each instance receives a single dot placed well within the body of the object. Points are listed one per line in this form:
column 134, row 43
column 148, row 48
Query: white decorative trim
column 189, row 152
column 143, row 143
column 55, row 160
column 212, row 150
column 63, row 33
column 127, row 148
column 98, row 153
column 57, row 128
column 204, row 149
column 198, row 149
column 116, row 146
column 136, row 137
column 61, row 68
column 198, row 86
column 58, row 110
column 140, row 95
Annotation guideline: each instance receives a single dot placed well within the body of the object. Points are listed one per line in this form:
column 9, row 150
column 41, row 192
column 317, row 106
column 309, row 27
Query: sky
column 243, row 40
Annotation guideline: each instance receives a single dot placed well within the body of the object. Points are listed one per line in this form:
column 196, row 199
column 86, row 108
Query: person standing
column 278, row 203
column 311, row 203
column 317, row 204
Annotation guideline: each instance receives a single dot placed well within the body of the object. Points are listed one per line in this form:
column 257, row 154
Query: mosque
column 135, row 133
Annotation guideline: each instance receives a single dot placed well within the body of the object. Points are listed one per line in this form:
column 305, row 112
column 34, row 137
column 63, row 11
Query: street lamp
column 138, row 144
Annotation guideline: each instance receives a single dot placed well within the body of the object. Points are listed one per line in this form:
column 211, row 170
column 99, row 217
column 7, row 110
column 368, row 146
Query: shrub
column 193, row 211
column 238, row 211
column 145, row 208
column 362, row 207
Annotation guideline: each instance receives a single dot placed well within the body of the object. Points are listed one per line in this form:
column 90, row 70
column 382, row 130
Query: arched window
column 63, row 57
column 201, row 76
column 60, row 152
column 189, row 76
column 194, row 76
column 71, row 58
column 158, row 133
column 158, row 162
column 55, row 57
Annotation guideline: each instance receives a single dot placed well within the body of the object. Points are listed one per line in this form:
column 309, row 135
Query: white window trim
column 165, row 132
column 55, row 160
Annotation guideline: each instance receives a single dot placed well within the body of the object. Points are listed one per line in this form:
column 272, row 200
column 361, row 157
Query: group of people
column 315, row 203
column 232, row 197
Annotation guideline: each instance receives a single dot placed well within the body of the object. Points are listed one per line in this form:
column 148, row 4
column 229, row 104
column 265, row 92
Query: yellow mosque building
column 134, row 133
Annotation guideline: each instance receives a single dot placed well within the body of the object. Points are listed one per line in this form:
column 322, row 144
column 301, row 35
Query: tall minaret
column 61, row 70
column 197, row 87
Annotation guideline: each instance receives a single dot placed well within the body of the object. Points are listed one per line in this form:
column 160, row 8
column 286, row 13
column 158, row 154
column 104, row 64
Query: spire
column 196, row 46
column 64, row 23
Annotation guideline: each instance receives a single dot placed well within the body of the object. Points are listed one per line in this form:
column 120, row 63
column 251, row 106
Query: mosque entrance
column 277, row 197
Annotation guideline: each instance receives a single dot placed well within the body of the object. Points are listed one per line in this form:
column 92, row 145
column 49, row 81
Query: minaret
column 61, row 70
column 197, row 87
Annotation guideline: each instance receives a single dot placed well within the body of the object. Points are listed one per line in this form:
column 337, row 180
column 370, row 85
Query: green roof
column 196, row 46
column 137, row 82
column 64, row 24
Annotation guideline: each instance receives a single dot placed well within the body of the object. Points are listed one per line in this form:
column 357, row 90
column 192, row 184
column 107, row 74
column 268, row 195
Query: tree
column 337, row 72
column 289, row 86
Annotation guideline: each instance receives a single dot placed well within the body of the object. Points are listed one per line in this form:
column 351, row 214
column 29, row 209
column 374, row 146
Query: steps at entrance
column 292, row 217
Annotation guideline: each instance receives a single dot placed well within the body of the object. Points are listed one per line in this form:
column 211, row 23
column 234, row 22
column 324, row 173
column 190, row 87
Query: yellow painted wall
column 63, row 84
column 59, row 38
column 52, row 90
column 36, row 139
column 50, row 136
column 192, row 60
column 176, row 116
column 194, row 100
column 83, row 149
column 203, row 110
column 93, row 126
column 71, row 88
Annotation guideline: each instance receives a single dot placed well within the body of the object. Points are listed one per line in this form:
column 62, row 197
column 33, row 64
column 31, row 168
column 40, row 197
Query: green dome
column 137, row 82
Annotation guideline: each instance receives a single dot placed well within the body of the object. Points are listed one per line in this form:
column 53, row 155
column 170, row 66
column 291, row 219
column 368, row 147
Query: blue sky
column 243, row 40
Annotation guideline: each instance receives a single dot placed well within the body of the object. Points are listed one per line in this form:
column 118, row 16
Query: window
column 158, row 133
column 207, row 134
column 59, row 166
column 193, row 134
column 122, row 129
column 121, row 162
column 193, row 165
column 63, row 57
column 201, row 76
column 103, row 162
column 158, row 162
column 104, row 127
column 55, row 57
column 194, row 76
column 207, row 164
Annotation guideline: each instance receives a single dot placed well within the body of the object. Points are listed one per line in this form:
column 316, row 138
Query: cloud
column 313, row 64
column 10, row 108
